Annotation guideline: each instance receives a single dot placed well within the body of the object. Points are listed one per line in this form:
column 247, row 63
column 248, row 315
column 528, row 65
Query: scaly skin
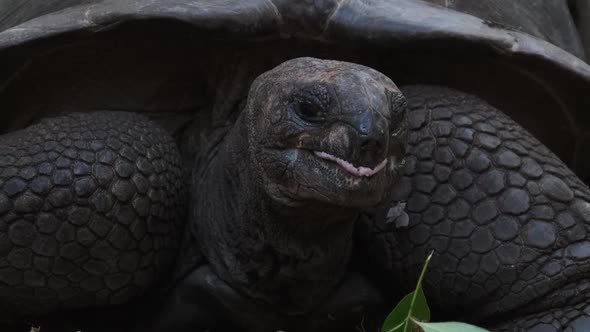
column 507, row 220
column 88, row 206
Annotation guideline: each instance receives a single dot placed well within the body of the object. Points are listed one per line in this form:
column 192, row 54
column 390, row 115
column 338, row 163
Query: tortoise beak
column 370, row 140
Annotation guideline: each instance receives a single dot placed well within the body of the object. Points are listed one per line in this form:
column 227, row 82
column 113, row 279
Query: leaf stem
column 418, row 285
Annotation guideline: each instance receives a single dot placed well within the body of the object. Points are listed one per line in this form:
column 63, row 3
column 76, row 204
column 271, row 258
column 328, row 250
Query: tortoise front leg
column 507, row 220
column 571, row 318
column 90, row 204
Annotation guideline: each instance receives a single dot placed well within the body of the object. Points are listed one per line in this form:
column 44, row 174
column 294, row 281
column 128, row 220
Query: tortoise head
column 326, row 131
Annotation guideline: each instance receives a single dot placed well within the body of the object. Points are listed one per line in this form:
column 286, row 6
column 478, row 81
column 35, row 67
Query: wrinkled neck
column 292, row 257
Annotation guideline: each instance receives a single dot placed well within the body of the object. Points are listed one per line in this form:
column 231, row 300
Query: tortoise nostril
column 364, row 128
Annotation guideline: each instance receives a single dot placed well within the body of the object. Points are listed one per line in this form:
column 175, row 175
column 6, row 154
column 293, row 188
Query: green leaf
column 412, row 307
column 449, row 327
column 412, row 313
column 399, row 318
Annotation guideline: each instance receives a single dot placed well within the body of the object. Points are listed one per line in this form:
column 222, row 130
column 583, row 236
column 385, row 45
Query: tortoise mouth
column 315, row 175
column 358, row 171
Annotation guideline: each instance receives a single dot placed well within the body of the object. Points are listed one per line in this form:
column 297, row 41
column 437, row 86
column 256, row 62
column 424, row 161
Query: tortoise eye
column 310, row 112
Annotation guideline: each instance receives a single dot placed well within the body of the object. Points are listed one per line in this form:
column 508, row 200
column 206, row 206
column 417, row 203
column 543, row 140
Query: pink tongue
column 350, row 168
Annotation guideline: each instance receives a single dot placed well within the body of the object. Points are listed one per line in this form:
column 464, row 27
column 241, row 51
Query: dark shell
column 545, row 19
column 160, row 56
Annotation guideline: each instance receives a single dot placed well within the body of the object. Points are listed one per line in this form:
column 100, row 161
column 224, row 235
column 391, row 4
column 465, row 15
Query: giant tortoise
column 269, row 165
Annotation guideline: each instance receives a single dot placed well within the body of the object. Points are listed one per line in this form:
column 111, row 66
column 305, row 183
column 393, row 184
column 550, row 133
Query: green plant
column 412, row 314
